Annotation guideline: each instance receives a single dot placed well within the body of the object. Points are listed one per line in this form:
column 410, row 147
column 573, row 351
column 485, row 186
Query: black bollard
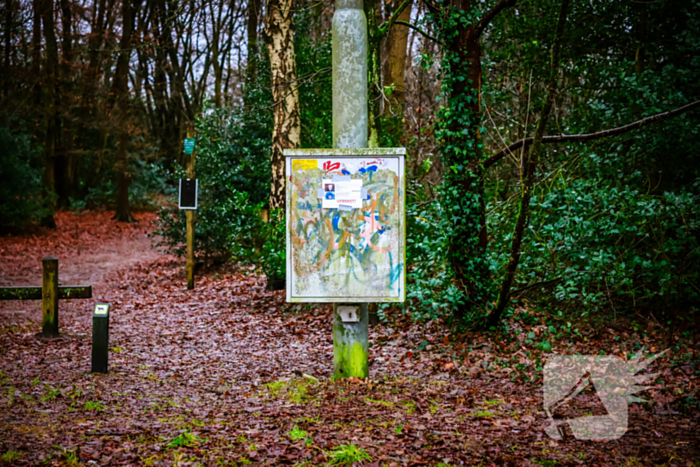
column 100, row 338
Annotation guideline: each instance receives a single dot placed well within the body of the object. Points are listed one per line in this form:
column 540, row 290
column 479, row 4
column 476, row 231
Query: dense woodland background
column 97, row 97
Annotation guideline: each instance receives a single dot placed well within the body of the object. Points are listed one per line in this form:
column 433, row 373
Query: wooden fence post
column 190, row 249
column 49, row 296
column 190, row 222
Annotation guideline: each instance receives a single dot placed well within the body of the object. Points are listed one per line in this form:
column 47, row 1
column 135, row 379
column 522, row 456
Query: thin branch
column 300, row 80
column 423, row 203
column 499, row 133
column 527, row 120
column 386, row 26
column 419, row 30
column 530, row 173
column 591, row 136
column 432, row 8
column 491, row 14
column 537, row 284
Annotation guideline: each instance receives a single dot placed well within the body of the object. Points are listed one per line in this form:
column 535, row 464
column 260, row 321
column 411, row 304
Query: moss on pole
column 351, row 345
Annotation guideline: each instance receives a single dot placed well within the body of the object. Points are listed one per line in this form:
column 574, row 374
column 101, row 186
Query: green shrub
column 21, row 200
column 430, row 289
column 231, row 168
column 148, row 179
column 254, row 241
column 595, row 244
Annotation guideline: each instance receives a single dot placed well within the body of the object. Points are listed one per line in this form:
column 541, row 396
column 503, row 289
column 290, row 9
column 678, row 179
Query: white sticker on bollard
column 349, row 314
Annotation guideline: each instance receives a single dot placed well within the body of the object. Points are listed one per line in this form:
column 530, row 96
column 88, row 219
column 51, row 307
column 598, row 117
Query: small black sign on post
column 188, row 193
column 100, row 338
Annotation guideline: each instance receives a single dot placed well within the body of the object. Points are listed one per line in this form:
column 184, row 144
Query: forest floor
column 228, row 374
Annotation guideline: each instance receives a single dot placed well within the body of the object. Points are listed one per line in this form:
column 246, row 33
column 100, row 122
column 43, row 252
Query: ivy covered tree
column 513, row 40
column 460, row 25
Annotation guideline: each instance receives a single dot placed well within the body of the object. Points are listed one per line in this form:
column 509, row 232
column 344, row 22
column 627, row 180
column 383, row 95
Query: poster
column 345, row 225
column 342, row 194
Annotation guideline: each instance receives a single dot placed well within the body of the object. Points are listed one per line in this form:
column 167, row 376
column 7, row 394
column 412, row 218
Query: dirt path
column 89, row 248
column 215, row 376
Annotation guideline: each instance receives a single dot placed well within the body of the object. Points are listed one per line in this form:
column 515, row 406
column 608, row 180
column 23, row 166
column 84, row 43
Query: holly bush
column 232, row 170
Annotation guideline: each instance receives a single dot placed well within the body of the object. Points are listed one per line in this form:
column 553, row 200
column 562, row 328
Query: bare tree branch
column 591, row 136
column 491, row 14
column 386, row 26
column 420, row 31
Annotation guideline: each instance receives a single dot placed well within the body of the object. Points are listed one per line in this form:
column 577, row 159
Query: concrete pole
column 349, row 75
column 350, row 340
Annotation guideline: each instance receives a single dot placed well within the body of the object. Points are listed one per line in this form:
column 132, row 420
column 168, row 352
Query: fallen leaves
column 227, row 372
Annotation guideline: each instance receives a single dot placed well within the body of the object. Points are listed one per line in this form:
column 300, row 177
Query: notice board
column 346, row 226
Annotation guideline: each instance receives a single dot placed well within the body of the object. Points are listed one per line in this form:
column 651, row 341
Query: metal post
column 49, row 296
column 100, row 338
column 350, row 339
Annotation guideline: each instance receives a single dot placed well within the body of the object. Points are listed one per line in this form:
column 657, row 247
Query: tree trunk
column 36, row 67
column 65, row 154
column 165, row 110
column 320, row 19
column 460, row 143
column 285, row 94
column 89, row 111
column 217, row 27
column 175, row 65
column 374, row 70
column 640, row 35
column 5, row 71
column 531, row 173
column 49, row 180
column 121, row 93
column 464, row 200
column 36, row 37
column 396, row 63
column 253, row 21
column 123, row 212
column 376, row 35
column 218, row 74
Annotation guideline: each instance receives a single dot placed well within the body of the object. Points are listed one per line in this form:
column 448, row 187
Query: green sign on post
column 189, row 146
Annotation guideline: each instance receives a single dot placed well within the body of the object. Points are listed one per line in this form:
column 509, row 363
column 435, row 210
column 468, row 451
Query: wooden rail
column 49, row 293
column 65, row 292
